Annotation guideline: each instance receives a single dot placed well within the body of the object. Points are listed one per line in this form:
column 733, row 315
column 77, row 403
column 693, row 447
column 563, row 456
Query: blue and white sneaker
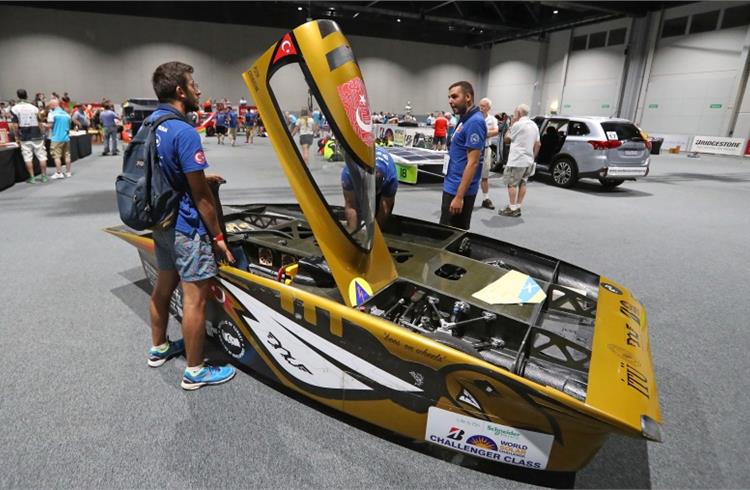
column 209, row 375
column 156, row 358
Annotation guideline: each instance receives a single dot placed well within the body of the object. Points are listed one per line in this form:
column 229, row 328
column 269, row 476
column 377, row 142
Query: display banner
column 718, row 145
column 420, row 137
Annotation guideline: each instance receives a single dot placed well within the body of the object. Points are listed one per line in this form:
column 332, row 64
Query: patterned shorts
column 192, row 258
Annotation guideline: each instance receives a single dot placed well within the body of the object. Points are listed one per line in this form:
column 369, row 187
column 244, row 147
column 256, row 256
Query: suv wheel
column 564, row 172
column 610, row 184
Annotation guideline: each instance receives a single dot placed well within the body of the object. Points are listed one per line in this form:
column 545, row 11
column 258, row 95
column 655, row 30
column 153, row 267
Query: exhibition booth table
column 13, row 169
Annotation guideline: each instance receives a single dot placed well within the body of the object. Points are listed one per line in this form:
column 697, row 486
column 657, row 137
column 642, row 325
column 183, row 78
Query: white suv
column 608, row 149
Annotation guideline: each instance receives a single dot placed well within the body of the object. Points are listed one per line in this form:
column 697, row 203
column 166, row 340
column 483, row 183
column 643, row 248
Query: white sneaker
column 68, row 174
column 57, row 175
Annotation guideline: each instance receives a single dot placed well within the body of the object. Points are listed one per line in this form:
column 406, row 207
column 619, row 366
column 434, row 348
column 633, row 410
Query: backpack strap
column 150, row 145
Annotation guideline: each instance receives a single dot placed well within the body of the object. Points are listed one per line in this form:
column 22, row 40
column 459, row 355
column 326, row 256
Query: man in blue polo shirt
column 464, row 165
column 184, row 250
column 386, row 186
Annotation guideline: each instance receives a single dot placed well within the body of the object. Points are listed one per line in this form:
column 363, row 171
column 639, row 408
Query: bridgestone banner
column 718, row 145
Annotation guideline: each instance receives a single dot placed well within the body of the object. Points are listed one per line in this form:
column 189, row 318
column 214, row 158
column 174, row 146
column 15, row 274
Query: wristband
column 219, row 237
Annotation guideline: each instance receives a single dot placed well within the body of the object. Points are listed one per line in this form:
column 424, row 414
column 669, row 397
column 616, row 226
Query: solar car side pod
column 334, row 79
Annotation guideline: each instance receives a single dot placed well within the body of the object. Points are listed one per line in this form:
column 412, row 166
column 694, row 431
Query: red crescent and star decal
column 353, row 96
column 286, row 48
column 200, row 157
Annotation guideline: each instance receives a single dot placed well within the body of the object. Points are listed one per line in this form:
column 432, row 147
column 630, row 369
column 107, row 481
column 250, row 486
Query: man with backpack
column 184, row 249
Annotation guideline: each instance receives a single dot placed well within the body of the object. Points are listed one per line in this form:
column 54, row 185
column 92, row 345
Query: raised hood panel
column 331, row 73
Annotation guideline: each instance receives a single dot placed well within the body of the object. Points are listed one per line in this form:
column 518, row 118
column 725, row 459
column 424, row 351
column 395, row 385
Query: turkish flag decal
column 354, row 97
column 286, row 48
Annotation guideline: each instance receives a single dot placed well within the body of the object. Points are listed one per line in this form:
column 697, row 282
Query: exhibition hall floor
column 80, row 408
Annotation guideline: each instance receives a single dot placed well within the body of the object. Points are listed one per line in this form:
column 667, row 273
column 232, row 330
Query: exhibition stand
column 13, row 169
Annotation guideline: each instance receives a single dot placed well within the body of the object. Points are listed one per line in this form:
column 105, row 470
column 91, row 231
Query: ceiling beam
column 542, row 30
column 455, row 4
column 487, row 26
column 498, row 12
column 440, row 5
column 532, row 13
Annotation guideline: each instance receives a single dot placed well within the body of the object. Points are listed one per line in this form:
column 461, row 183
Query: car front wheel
column 564, row 172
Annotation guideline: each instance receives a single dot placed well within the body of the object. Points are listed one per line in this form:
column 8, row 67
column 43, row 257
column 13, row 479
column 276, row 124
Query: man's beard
column 460, row 110
column 191, row 104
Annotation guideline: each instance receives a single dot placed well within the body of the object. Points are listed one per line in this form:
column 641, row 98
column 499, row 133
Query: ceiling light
column 299, row 8
column 555, row 12
column 398, row 20
column 355, row 15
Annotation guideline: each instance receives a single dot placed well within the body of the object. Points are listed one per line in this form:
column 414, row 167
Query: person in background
column 221, row 124
column 232, row 124
column 452, row 123
column 80, row 119
column 464, row 158
column 524, row 146
column 60, row 121
column 318, row 120
column 251, row 119
column 430, row 118
column 492, row 131
column 65, row 102
column 30, row 135
column 109, row 121
column 305, row 126
column 386, row 186
column 441, row 132
column 184, row 254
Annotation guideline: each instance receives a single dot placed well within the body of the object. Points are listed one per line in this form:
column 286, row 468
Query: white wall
column 512, row 74
column 690, row 74
column 594, row 75
column 97, row 55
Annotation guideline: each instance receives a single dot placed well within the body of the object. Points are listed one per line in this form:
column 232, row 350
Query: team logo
column 158, row 140
column 611, row 288
column 474, row 139
column 353, row 96
column 218, row 293
column 231, row 339
column 456, row 434
column 359, row 291
column 200, row 157
column 459, row 127
column 466, row 397
column 286, row 48
column 482, row 442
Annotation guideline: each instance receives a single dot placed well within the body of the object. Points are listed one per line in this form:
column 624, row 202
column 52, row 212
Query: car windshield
column 625, row 131
column 344, row 184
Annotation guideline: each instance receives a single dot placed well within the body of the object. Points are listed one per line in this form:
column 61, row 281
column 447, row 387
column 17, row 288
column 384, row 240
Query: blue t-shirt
column 232, row 119
column 221, row 119
column 383, row 164
column 469, row 135
column 250, row 118
column 108, row 118
column 180, row 152
column 60, row 126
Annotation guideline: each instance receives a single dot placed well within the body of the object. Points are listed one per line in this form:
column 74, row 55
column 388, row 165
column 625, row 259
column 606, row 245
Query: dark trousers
column 461, row 220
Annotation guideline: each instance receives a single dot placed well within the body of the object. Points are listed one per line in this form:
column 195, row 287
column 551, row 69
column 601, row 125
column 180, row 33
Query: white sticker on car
column 612, row 135
column 488, row 440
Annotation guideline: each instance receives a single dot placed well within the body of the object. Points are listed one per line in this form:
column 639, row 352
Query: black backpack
column 145, row 195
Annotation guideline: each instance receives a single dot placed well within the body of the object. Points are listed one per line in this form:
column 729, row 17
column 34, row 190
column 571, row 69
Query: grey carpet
column 80, row 408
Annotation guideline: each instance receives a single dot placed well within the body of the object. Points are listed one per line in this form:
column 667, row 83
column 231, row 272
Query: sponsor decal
column 418, row 378
column 483, row 442
column 488, row 440
column 353, row 96
column 718, row 145
column 611, row 288
column 466, row 397
column 286, row 48
column 231, row 339
column 459, row 127
column 290, row 341
column 612, row 135
column 359, row 291
column 217, row 293
column 200, row 157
